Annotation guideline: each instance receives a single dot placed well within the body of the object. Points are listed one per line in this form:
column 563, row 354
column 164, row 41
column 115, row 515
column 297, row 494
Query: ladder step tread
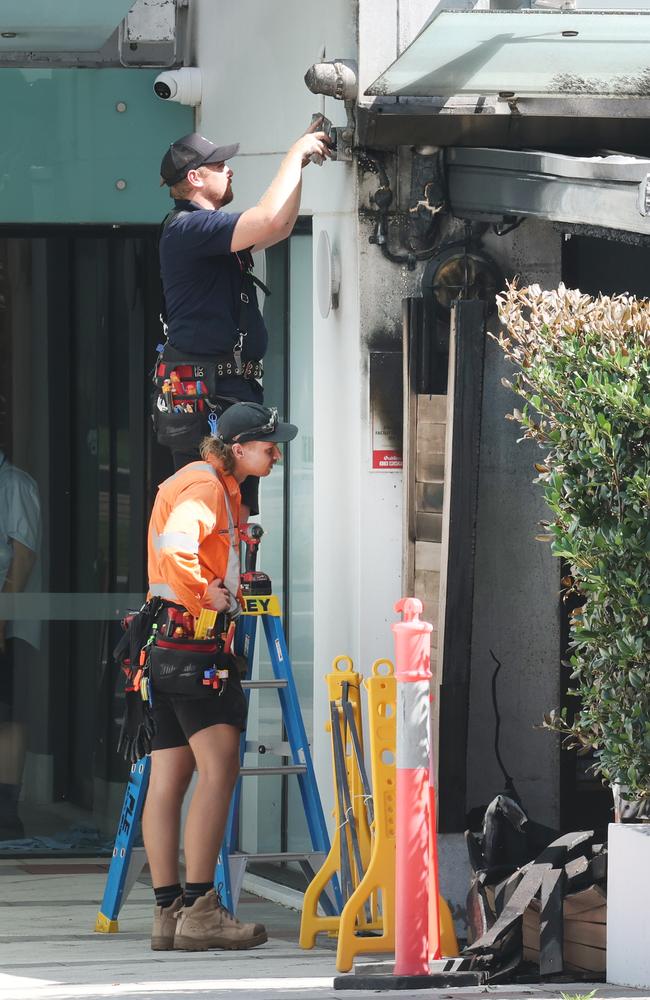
column 285, row 769
column 286, row 856
column 282, row 749
column 261, row 685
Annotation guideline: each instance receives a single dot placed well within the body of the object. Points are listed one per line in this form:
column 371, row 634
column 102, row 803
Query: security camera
column 180, row 85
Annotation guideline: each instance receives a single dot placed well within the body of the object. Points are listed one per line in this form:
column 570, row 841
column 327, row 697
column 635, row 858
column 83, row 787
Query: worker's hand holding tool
column 314, row 143
column 217, row 597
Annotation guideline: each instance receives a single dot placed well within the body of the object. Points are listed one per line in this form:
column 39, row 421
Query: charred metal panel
column 571, row 125
column 608, row 191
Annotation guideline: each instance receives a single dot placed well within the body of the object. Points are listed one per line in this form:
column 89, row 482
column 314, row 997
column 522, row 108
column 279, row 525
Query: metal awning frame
column 570, row 124
column 606, row 193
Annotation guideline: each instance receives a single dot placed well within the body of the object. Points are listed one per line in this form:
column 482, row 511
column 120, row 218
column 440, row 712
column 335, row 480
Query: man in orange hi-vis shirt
column 194, row 564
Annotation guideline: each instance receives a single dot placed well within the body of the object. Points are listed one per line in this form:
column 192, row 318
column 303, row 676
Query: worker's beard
column 228, row 196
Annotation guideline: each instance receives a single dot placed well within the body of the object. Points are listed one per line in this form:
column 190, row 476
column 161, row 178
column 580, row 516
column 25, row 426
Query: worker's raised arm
column 273, row 218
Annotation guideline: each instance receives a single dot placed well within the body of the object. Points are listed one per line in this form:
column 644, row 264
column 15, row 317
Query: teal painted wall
column 64, row 145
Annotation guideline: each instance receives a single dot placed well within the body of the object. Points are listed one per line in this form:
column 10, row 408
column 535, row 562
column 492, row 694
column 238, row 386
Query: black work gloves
column 138, row 728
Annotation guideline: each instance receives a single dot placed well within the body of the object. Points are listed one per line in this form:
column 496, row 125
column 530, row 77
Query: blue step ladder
column 128, row 861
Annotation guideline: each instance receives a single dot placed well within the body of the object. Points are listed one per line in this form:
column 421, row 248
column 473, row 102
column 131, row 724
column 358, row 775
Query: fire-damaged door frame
column 441, row 463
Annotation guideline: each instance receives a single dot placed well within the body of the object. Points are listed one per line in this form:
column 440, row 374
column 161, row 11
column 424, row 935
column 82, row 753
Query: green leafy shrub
column 583, row 370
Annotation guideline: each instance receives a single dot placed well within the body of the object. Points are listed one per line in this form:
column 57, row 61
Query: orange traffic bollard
column 413, row 758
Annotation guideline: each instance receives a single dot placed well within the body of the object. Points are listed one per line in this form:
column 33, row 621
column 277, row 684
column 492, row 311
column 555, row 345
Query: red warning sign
column 386, row 459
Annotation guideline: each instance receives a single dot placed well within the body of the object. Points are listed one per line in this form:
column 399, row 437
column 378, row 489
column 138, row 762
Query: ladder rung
column 275, row 749
column 287, row 769
column 287, row 856
column 255, row 685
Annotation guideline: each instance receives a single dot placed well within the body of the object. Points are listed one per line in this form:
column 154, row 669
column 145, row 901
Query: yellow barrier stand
column 377, row 886
column 379, row 879
column 311, row 923
column 380, row 873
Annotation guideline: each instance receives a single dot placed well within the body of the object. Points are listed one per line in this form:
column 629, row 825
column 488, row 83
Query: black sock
column 166, row 894
column 194, row 891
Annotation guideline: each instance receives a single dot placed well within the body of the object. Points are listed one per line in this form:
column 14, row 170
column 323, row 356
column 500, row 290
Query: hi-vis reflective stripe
column 203, row 465
column 413, row 707
column 175, row 540
column 163, row 590
column 233, row 569
column 262, row 605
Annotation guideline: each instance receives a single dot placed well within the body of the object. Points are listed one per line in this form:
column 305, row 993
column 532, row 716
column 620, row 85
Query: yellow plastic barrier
column 311, row 924
column 377, row 887
column 379, row 880
column 448, row 940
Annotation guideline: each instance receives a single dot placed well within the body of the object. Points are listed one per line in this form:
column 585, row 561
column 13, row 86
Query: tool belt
column 156, row 661
column 185, row 669
column 186, row 400
column 170, row 659
column 208, row 370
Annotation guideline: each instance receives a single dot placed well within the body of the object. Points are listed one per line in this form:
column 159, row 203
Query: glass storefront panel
column 78, row 330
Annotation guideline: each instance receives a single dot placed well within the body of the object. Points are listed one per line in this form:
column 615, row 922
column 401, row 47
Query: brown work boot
column 208, row 924
column 164, row 925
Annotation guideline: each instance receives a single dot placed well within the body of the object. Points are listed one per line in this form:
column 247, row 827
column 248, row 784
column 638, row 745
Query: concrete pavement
column 48, row 950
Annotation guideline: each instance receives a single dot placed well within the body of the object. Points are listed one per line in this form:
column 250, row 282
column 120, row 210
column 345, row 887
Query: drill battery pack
column 254, row 583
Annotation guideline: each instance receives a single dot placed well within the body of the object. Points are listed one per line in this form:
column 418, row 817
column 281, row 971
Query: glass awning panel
column 59, row 25
column 534, row 53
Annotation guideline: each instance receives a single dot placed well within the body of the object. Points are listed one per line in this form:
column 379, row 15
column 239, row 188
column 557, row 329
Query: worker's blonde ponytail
column 213, row 447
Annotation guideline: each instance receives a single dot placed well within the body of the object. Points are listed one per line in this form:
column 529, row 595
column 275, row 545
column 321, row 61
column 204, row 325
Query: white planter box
column 628, row 905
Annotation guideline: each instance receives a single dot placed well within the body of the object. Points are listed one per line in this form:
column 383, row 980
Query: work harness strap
column 232, row 576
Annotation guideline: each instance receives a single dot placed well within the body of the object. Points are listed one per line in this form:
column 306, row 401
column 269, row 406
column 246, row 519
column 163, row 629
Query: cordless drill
column 253, row 582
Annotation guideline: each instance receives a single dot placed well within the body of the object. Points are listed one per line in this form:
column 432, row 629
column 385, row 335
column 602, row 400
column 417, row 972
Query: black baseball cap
column 244, row 422
column 190, row 152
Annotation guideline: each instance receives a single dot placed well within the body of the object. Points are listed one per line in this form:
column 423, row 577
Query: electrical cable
column 382, row 198
column 510, row 787
column 499, row 231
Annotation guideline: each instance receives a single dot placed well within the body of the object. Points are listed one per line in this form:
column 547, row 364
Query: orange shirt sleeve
column 193, row 517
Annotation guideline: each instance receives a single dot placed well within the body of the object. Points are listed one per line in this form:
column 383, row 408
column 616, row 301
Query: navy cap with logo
column 190, row 152
column 243, row 422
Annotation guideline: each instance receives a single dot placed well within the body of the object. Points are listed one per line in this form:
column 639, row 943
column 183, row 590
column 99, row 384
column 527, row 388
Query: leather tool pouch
column 178, row 431
column 184, row 431
column 178, row 668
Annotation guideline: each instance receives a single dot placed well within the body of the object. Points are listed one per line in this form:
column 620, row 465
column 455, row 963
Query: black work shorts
column 177, row 719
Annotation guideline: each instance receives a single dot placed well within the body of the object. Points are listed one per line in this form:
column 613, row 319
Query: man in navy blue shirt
column 216, row 337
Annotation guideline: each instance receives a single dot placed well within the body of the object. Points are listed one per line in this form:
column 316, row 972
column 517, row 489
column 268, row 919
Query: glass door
column 78, row 328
